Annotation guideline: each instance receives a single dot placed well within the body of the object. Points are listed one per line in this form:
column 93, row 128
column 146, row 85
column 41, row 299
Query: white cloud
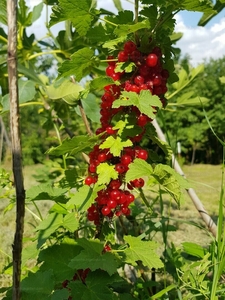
column 202, row 42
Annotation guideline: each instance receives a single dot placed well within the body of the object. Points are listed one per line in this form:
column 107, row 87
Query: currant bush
column 149, row 74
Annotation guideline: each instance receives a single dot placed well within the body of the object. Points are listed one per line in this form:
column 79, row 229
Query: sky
column 200, row 43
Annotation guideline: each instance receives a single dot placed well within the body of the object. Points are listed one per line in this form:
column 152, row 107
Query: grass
column 205, row 179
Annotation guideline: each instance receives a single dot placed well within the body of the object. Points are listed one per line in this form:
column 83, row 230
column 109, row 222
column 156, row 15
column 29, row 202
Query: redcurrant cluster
column 148, row 74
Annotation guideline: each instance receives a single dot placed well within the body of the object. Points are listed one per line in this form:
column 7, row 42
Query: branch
column 16, row 146
column 196, row 201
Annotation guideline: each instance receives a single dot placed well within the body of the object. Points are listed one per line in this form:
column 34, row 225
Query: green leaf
column 106, row 173
column 36, row 12
column 93, row 258
column 64, row 89
column 57, row 259
column 113, row 44
column 163, row 292
column 76, row 11
column 60, row 294
column 3, row 12
column 77, row 144
column 48, row 226
column 91, row 108
column 97, row 34
column 82, row 198
column 70, row 222
column 137, row 169
column 95, row 287
column 197, row 5
column 145, row 102
column 80, row 64
column 100, row 82
column 115, row 145
column 37, row 285
column 171, row 181
column 26, row 93
column 118, row 5
column 30, row 73
column 127, row 66
column 193, row 249
column 46, row 192
column 57, row 15
column 143, row 251
column 120, row 29
column 207, row 16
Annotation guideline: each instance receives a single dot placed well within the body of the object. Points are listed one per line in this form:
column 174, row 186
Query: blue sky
column 199, row 42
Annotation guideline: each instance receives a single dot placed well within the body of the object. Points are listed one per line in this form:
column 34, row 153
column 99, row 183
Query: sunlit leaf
column 144, row 251
column 106, row 173
column 115, row 145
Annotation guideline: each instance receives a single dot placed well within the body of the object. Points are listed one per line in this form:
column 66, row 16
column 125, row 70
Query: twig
column 83, row 115
column 16, row 146
column 196, row 201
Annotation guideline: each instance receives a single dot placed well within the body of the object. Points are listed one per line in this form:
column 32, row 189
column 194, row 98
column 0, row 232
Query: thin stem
column 136, row 12
column 3, row 39
column 144, row 198
column 60, row 142
column 48, row 52
column 83, row 115
column 109, row 22
column 33, row 214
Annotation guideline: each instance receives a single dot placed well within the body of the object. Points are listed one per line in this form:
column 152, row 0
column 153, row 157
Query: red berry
column 115, row 184
column 134, row 88
column 89, row 180
column 106, row 248
column 111, row 203
column 152, row 60
column 110, row 70
column 129, row 47
column 102, row 157
column 105, row 210
column 116, row 76
column 120, row 168
column 111, row 63
column 110, row 130
column 138, row 183
column 92, row 168
column 122, row 56
column 125, row 159
column 139, row 80
column 142, row 120
column 157, row 80
column 142, row 154
column 115, row 195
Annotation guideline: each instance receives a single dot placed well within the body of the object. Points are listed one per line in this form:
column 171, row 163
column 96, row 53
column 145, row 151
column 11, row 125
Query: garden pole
column 196, row 201
column 16, row 146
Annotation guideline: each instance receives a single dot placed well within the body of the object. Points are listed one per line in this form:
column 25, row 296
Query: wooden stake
column 196, row 201
column 16, row 146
